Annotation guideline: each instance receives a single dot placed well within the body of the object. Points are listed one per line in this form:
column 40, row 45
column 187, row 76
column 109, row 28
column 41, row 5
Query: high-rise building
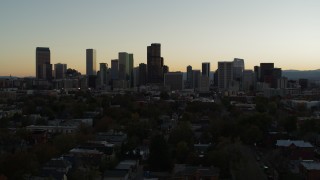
column 256, row 73
column 173, row 80
column 196, row 78
column 91, row 62
column 304, row 83
column 103, row 75
column 266, row 72
column 123, row 65
column 206, row 69
column 282, row 83
column 114, row 69
column 204, row 84
column 238, row 68
column 275, row 75
column 225, row 74
column 215, row 78
column 60, row 71
column 154, row 64
column 136, row 78
column 165, row 69
column 142, row 74
column 43, row 63
column 126, row 67
column 189, row 83
column 129, row 70
column 47, row 71
column 248, row 80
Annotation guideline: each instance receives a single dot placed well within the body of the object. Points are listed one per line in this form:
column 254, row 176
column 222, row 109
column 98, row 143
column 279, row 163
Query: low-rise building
column 182, row 171
column 296, row 149
column 310, row 170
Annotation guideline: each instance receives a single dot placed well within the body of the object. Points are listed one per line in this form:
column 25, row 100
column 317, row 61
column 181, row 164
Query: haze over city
column 284, row 32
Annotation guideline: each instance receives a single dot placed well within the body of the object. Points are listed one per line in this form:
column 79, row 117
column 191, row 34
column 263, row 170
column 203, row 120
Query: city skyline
column 190, row 33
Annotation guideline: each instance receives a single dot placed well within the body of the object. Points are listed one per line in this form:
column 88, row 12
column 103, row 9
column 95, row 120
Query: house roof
column 287, row 143
column 203, row 171
column 311, row 165
column 115, row 173
column 126, row 164
column 58, row 163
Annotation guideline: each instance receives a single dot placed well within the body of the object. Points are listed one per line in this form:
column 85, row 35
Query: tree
column 64, row 143
column 289, row 123
column 182, row 151
column 164, row 95
column 16, row 165
column 159, row 159
column 182, row 132
column 103, row 124
column 72, row 73
column 251, row 134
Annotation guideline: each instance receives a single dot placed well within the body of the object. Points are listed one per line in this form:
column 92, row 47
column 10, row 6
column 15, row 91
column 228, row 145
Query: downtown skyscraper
column 43, row 66
column 225, row 74
column 206, row 69
column 238, row 68
column 60, row 71
column 91, row 62
column 126, row 67
column 154, row 64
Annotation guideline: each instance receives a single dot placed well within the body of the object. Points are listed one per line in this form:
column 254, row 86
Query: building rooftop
column 43, row 49
column 311, row 165
column 126, row 164
column 115, row 173
column 298, row 143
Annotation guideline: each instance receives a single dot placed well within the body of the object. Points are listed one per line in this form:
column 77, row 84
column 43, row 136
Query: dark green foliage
column 289, row 123
column 180, row 133
column 159, row 159
column 14, row 166
column 164, row 95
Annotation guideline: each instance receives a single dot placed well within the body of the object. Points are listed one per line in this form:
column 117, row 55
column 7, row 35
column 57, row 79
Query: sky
column 285, row 32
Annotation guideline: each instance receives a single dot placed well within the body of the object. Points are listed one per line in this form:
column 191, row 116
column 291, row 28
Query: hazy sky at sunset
column 286, row 32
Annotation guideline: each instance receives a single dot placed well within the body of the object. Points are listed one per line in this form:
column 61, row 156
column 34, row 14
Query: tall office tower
column 165, row 69
column 103, row 75
column 60, row 71
column 136, row 77
column 114, row 69
column 142, row 74
column 215, row 78
column 266, row 72
column 206, row 69
column 247, row 80
column 275, row 75
column 123, row 65
column 129, row 69
column 154, row 64
column 189, row 83
column 304, row 83
column 47, row 71
column 196, row 78
column 91, row 62
column 204, row 84
column 42, row 62
column 256, row 73
column 225, row 75
column 282, row 83
column 173, row 80
column 238, row 67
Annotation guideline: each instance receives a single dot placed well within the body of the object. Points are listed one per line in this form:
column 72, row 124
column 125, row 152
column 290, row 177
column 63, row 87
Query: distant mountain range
column 14, row 77
column 296, row 74
column 290, row 74
column 7, row 77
